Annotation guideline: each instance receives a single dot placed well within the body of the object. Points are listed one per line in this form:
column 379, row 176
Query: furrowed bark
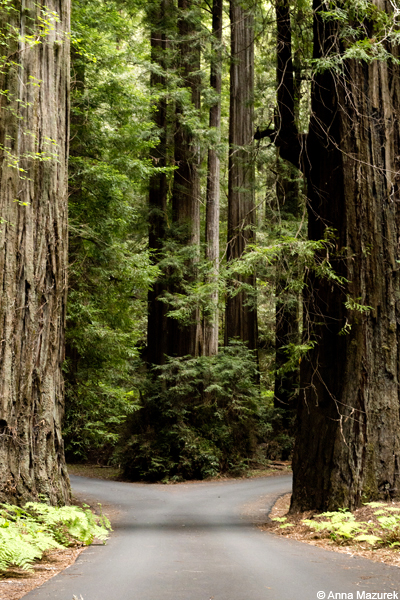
column 348, row 445
column 33, row 256
column 241, row 314
column 287, row 191
column 157, row 310
column 210, row 328
column 184, row 339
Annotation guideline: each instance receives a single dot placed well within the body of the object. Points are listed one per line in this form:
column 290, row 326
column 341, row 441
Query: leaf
column 369, row 538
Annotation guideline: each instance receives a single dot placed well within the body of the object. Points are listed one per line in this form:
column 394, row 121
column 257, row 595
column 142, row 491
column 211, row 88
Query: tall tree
column 348, row 444
column 288, row 193
column 241, row 314
column 33, row 255
column 157, row 317
column 210, row 333
column 185, row 338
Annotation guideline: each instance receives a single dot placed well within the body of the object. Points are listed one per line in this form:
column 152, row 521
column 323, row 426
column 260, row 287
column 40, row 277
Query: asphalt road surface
column 197, row 541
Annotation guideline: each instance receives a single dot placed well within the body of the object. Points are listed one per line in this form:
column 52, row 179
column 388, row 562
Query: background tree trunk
column 157, row 310
column 210, row 335
column 33, row 258
column 241, row 313
column 185, row 339
column 287, row 329
column 288, row 195
column 347, row 448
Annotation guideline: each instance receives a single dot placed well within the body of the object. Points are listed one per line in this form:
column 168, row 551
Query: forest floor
column 15, row 583
column 303, row 533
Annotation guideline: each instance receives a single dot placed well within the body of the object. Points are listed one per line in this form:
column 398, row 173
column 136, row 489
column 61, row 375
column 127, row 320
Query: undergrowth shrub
column 275, row 430
column 199, row 417
column 25, row 533
column 383, row 529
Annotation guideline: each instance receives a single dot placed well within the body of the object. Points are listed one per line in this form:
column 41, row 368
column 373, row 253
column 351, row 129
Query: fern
column 21, row 544
column 25, row 533
column 342, row 525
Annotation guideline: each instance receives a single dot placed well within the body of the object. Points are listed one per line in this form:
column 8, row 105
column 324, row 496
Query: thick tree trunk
column 241, row 312
column 185, row 339
column 348, row 445
column 287, row 191
column 157, row 310
column 210, row 331
column 33, row 256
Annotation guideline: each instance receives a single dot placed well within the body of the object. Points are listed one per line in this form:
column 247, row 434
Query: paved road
column 192, row 542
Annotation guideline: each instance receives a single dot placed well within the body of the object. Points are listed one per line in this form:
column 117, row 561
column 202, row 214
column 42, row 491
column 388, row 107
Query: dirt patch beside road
column 15, row 583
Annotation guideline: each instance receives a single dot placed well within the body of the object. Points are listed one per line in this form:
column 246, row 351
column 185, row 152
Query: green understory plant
column 341, row 526
column 199, row 417
column 26, row 533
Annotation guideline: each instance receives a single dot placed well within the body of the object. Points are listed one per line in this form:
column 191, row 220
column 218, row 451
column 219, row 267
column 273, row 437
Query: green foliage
column 194, row 416
column 110, row 267
column 340, row 525
column 39, row 23
column 383, row 530
column 198, row 418
column 25, row 533
column 283, row 520
column 364, row 32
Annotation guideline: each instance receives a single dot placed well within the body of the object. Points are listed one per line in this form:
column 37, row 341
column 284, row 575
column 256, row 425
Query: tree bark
column 348, row 445
column 287, row 191
column 184, row 339
column 210, row 332
column 241, row 312
column 33, row 256
column 157, row 310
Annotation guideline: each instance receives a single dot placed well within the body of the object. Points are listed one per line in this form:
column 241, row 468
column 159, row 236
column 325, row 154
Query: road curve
column 193, row 542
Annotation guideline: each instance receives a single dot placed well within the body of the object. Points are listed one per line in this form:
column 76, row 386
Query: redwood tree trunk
column 241, row 312
column 287, row 191
column 33, row 257
column 348, row 445
column 184, row 339
column 157, row 310
column 210, row 334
